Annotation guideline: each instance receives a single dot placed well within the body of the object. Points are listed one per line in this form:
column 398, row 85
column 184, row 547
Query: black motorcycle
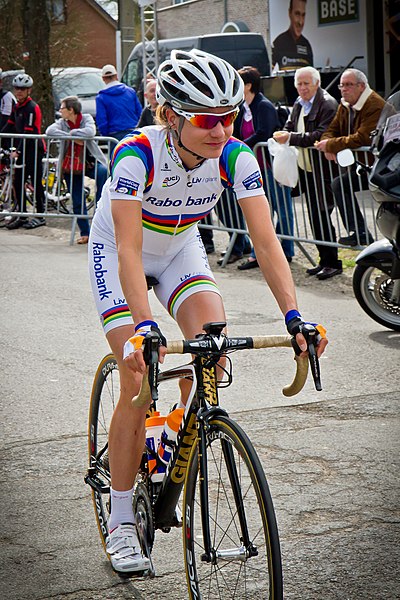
column 376, row 278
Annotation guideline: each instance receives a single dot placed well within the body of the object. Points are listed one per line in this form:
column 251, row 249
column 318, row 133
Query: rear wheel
column 105, row 394
column 245, row 558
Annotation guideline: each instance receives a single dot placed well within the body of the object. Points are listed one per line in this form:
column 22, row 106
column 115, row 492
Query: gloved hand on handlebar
column 307, row 337
column 301, row 330
column 133, row 353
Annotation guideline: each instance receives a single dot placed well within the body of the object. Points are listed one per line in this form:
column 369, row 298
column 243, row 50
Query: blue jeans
column 76, row 188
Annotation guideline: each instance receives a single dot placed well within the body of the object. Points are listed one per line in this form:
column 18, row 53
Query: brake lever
column 150, row 355
column 310, row 334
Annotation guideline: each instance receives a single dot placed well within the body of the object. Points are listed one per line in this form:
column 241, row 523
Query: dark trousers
column 32, row 169
column 319, row 212
column 346, row 201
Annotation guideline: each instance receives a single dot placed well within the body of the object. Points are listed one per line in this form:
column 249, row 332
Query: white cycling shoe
column 123, row 548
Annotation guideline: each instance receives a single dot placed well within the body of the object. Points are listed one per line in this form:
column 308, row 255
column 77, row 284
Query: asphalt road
column 331, row 458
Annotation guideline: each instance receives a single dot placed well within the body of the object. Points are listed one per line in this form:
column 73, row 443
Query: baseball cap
column 108, row 70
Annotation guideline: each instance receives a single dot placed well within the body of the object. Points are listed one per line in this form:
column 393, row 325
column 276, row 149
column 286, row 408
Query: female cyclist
column 164, row 179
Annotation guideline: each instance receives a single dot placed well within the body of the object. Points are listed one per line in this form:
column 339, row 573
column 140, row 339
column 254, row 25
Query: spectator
column 74, row 125
column 117, row 106
column 291, row 50
column 256, row 122
column 148, row 113
column 312, row 112
column 7, row 101
column 26, row 118
column 355, row 118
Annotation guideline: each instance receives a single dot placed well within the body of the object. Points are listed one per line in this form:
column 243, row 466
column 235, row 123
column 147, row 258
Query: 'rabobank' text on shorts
column 179, row 276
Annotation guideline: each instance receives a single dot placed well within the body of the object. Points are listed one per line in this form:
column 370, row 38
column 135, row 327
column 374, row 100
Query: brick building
column 198, row 17
column 87, row 35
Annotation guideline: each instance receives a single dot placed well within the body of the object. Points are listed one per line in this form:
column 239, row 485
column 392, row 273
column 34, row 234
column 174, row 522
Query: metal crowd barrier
column 39, row 171
column 290, row 208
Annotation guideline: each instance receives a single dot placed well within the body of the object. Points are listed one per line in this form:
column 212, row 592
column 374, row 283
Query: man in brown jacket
column 356, row 117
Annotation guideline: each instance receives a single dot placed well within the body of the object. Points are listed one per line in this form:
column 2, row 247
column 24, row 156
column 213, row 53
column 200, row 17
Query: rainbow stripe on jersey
column 227, row 162
column 138, row 145
column 170, row 224
column 186, row 285
column 116, row 312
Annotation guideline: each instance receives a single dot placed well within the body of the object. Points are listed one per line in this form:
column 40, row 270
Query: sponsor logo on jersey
column 253, row 181
column 127, row 186
column 196, row 180
column 200, row 201
column 165, row 167
column 170, row 180
column 167, row 202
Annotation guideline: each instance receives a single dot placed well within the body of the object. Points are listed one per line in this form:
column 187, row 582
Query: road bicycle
column 230, row 536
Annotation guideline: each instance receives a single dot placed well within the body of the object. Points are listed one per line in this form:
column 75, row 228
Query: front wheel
column 244, row 559
column 378, row 295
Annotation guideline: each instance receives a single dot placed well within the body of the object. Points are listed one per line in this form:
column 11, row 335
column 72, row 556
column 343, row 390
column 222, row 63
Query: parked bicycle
column 57, row 196
column 230, row 536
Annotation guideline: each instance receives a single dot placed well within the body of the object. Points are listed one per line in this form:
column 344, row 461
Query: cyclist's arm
column 271, row 258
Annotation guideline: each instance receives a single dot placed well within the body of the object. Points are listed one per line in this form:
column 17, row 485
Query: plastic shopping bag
column 284, row 164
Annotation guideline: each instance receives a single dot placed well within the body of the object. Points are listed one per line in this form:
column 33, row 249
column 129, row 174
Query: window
column 56, row 10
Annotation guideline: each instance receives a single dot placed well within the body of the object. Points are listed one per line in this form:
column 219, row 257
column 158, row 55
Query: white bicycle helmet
column 194, row 80
column 22, row 80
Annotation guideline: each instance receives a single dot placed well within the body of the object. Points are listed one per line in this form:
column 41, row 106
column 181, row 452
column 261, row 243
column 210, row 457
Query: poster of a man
column 290, row 49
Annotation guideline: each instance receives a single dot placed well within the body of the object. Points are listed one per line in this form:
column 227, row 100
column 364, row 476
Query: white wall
column 339, row 43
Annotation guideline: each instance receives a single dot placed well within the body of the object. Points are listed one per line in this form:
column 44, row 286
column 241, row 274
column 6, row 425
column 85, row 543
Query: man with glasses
column 356, row 117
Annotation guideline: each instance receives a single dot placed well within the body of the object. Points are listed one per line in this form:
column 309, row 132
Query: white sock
column 121, row 508
column 181, row 404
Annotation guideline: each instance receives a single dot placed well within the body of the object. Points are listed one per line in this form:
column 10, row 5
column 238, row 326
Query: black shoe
column 232, row 259
column 246, row 251
column 314, row 270
column 34, row 223
column 351, row 240
column 249, row 264
column 209, row 248
column 289, row 258
column 328, row 272
column 16, row 223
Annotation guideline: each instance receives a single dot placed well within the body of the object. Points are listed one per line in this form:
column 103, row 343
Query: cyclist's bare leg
column 127, row 428
column 196, row 310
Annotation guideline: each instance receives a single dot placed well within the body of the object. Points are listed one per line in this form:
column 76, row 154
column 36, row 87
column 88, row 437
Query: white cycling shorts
column 179, row 276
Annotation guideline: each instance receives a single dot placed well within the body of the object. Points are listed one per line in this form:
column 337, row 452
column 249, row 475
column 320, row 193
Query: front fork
column 211, row 554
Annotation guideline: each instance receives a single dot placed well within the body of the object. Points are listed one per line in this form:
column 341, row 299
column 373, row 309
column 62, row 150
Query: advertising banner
column 324, row 33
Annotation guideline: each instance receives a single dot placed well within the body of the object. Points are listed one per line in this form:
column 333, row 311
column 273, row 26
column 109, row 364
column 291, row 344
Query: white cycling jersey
column 146, row 168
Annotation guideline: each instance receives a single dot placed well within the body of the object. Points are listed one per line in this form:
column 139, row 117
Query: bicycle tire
column 8, row 199
column 245, row 577
column 104, row 396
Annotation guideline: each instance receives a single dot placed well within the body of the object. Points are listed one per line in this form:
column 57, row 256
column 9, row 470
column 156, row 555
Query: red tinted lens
column 210, row 121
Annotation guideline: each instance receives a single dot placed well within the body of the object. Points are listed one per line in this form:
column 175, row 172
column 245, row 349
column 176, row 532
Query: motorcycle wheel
column 372, row 289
